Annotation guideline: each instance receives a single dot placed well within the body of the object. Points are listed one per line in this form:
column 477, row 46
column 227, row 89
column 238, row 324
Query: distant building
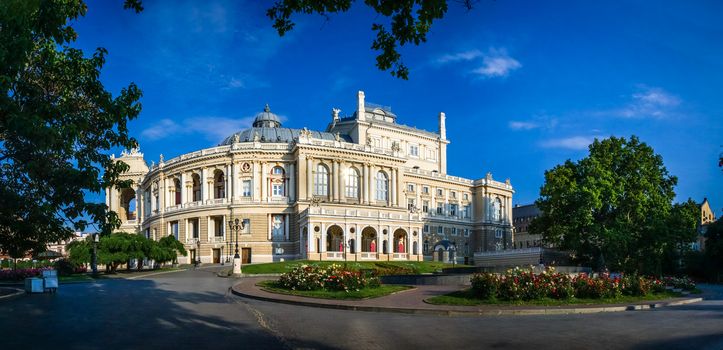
column 522, row 216
column 706, row 218
column 62, row 246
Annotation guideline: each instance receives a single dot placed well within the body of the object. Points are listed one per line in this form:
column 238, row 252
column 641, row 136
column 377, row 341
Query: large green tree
column 57, row 123
column 613, row 208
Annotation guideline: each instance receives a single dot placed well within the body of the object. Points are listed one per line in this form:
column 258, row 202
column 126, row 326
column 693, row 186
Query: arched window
column 219, row 184
column 497, row 210
column 321, row 181
column 352, row 183
column 277, row 170
column 382, row 187
column 177, row 187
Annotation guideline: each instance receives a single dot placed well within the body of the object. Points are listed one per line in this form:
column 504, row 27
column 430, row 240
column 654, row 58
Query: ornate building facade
column 366, row 189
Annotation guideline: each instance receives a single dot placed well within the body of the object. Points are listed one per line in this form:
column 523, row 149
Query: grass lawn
column 466, row 297
column 366, row 293
column 410, row 267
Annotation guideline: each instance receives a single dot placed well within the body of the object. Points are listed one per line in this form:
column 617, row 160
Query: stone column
column 393, row 188
column 301, row 178
column 364, row 183
column 310, row 241
column 139, row 205
column 236, row 182
column 322, row 241
column 264, row 183
column 227, row 182
column 309, row 178
column 342, row 191
column 256, row 189
column 291, row 182
column 372, row 184
column 357, row 239
column 204, row 189
column 333, row 180
column 183, row 188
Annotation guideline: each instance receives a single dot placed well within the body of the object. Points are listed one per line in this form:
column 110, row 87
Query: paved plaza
column 195, row 310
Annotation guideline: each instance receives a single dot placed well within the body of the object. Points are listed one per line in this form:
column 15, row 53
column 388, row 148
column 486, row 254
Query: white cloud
column 522, row 125
column 212, row 128
column 648, row 102
column 160, row 130
column 236, row 83
column 573, row 143
column 497, row 63
column 459, row 56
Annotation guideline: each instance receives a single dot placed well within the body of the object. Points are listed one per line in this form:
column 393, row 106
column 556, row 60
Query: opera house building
column 367, row 188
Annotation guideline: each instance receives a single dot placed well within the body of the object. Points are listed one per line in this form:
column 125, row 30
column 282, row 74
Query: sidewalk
column 412, row 302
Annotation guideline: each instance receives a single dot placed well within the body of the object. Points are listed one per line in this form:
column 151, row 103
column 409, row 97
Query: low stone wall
column 437, row 280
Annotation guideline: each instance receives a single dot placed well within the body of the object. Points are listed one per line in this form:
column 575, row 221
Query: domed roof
column 267, row 128
column 267, row 119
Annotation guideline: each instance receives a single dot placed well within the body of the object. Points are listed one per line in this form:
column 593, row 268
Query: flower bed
column 331, row 278
column 518, row 284
column 20, row 274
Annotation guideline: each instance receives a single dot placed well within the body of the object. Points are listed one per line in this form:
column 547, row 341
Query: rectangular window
column 426, row 229
column 454, row 231
column 440, row 230
column 352, row 183
column 440, row 209
column 466, row 232
column 425, row 206
column 453, row 194
column 440, row 192
column 277, row 228
column 247, row 226
column 277, row 189
column 425, row 190
column 410, row 187
column 465, row 212
column 410, row 204
column 414, row 150
column 174, row 229
column 246, row 188
column 498, row 234
column 453, row 210
column 465, row 196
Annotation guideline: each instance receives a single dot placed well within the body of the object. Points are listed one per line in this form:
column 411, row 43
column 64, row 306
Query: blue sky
column 525, row 85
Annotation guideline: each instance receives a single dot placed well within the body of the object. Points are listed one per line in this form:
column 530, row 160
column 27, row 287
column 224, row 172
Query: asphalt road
column 194, row 310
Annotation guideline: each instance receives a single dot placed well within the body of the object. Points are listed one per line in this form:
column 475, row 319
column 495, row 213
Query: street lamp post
column 236, row 226
column 94, row 260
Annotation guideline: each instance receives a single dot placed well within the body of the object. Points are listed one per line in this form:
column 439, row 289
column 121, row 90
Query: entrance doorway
column 217, row 256
column 245, row 255
column 193, row 255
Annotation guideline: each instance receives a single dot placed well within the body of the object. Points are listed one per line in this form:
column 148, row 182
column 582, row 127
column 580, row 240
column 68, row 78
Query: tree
column 612, row 208
column 80, row 252
column 714, row 250
column 167, row 249
column 120, row 248
column 410, row 21
column 57, row 123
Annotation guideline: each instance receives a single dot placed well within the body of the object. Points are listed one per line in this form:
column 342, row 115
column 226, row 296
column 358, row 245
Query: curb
column 477, row 312
column 18, row 293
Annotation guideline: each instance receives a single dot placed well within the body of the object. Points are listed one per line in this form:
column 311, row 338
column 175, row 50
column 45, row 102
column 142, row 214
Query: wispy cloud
column 647, row 102
column 573, row 142
column 520, row 125
column 211, row 128
column 497, row 63
column 493, row 63
column 544, row 122
column 459, row 56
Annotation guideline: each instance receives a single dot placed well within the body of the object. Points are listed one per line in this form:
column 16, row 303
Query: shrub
column 485, row 285
column 67, row 267
column 20, row 274
column 684, row 283
column 333, row 278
